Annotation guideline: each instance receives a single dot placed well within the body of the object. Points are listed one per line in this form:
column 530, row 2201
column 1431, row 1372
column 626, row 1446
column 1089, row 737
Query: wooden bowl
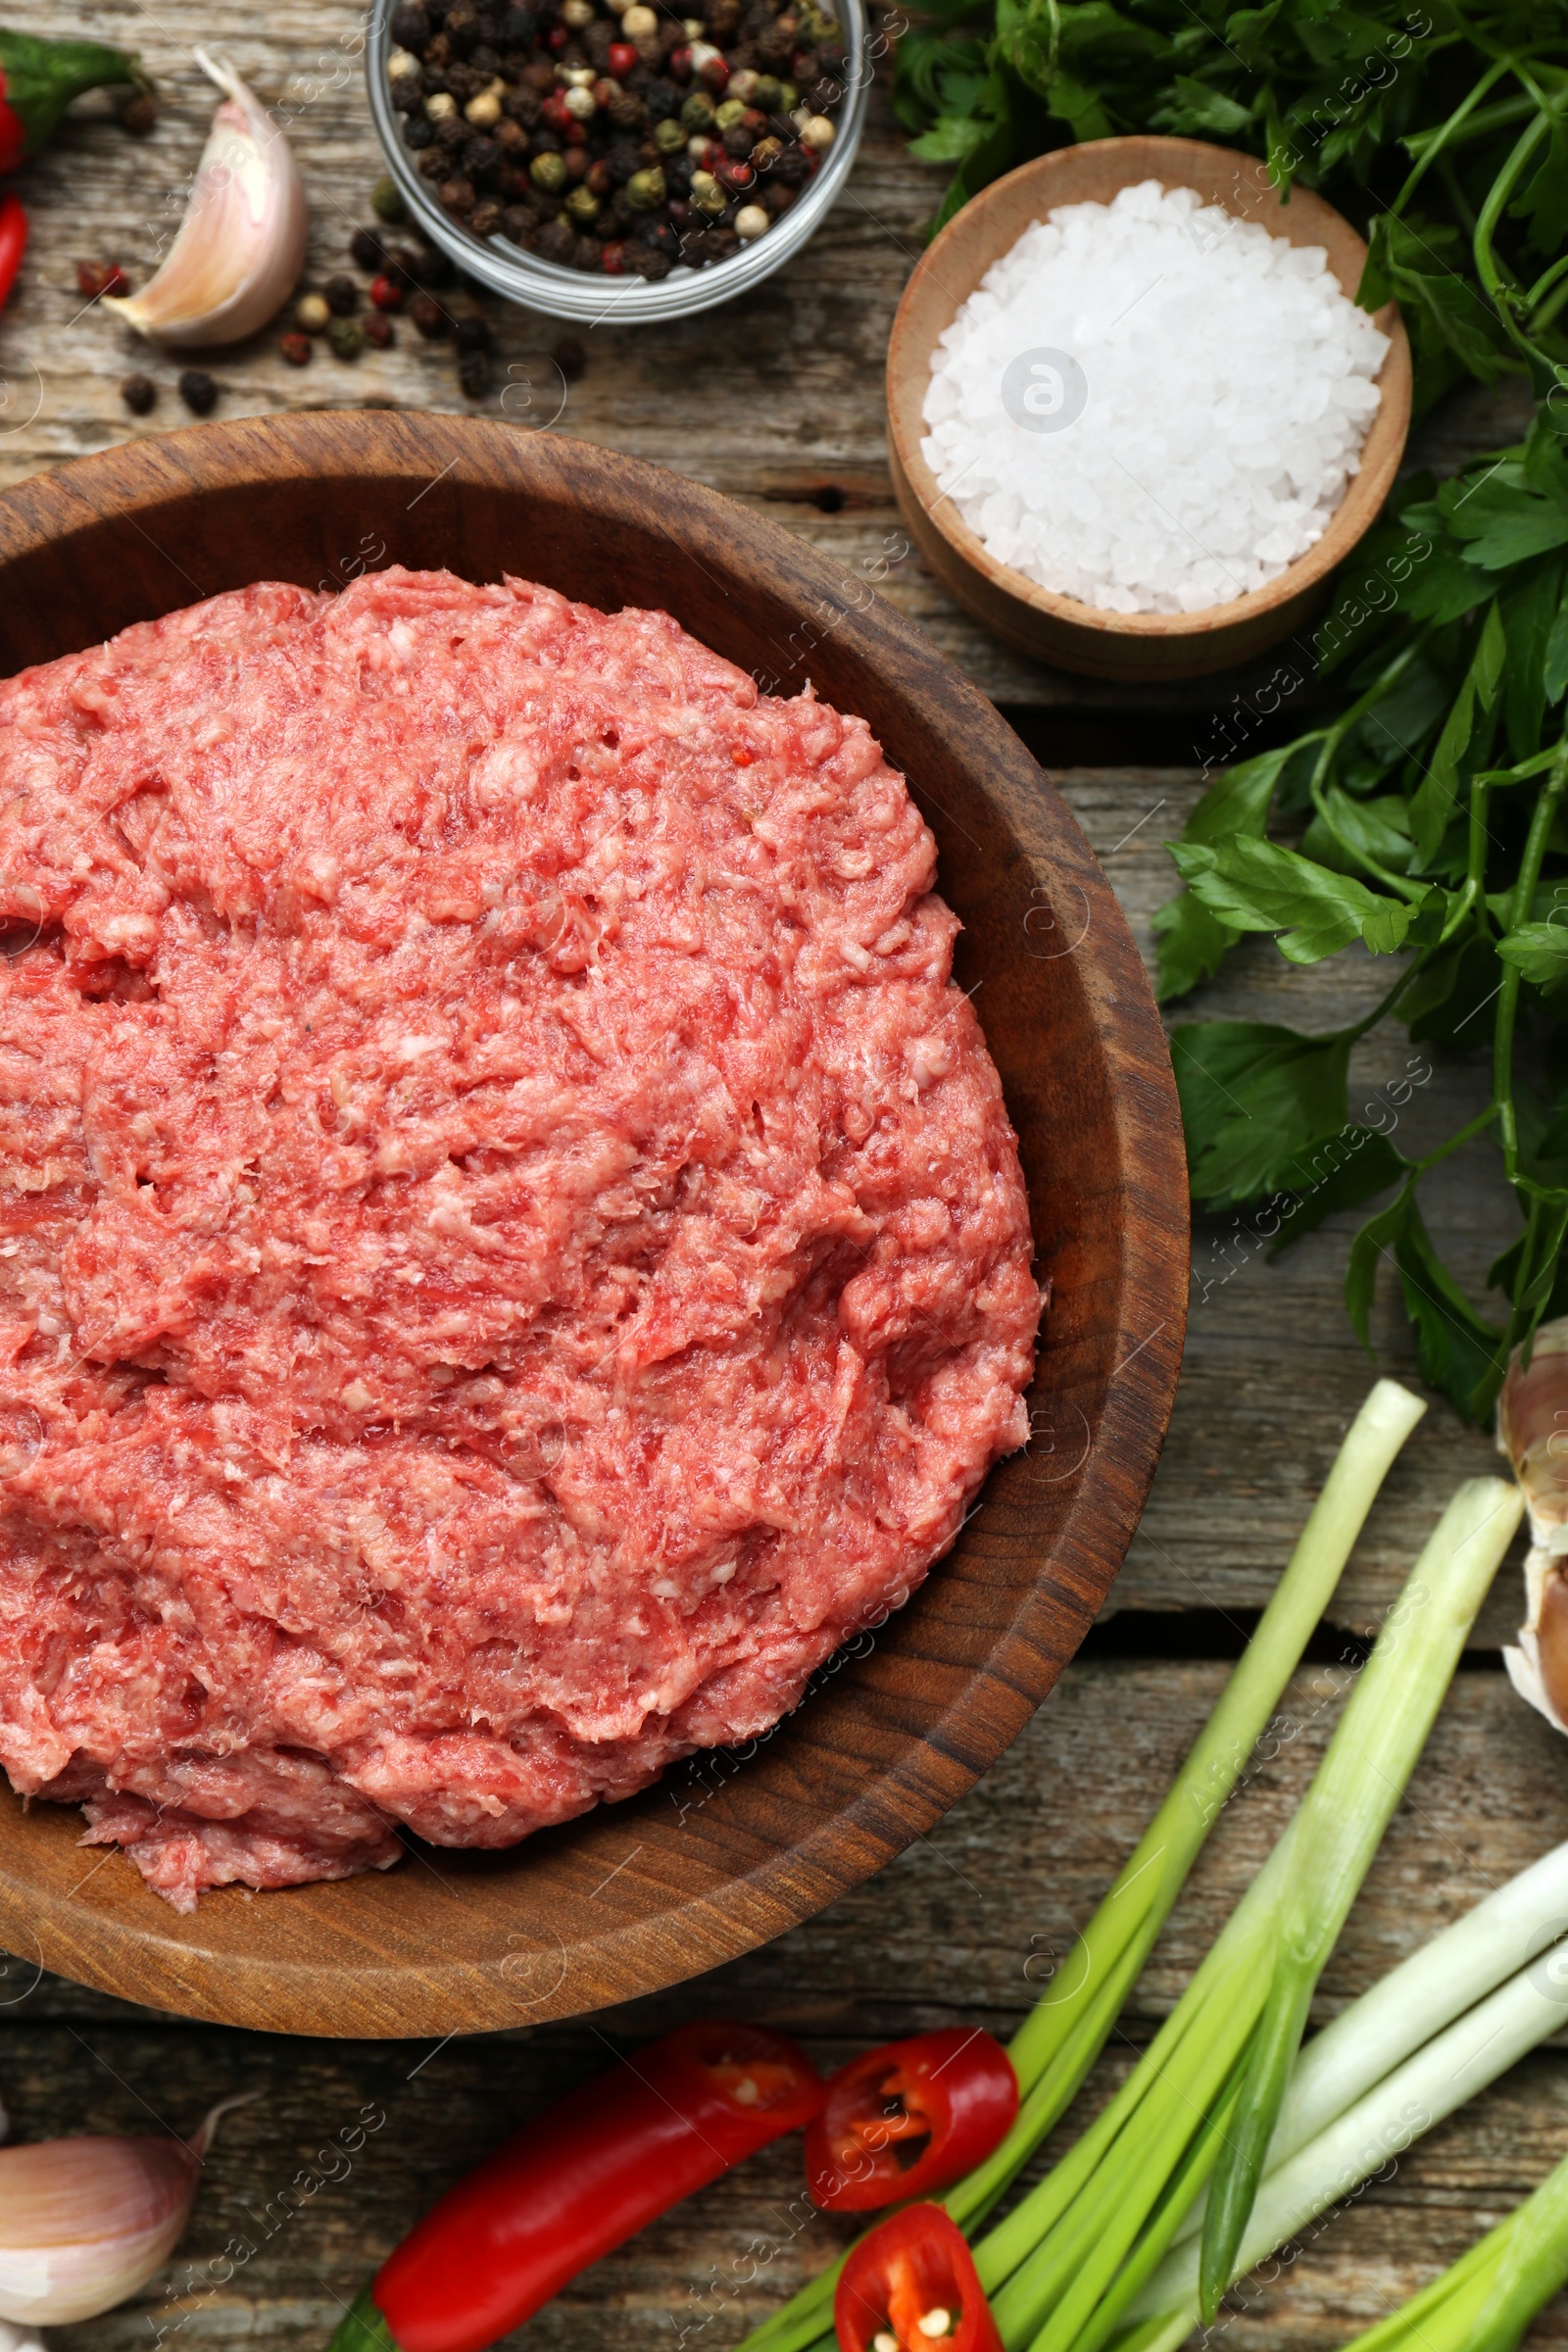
column 728, row 1850
column 1059, row 629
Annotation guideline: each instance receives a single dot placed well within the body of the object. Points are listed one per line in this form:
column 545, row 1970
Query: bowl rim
column 557, row 292
column 314, row 1960
column 908, row 371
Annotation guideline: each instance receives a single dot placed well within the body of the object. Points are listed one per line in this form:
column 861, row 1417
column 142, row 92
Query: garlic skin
column 241, row 245
column 84, row 2222
column 1533, row 1432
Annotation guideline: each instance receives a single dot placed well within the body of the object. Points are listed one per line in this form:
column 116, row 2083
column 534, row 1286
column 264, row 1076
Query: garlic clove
column 84, row 2222
column 241, row 245
column 1532, row 1431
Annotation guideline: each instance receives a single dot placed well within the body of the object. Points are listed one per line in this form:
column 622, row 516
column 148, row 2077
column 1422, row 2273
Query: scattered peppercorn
column 613, row 137
column 342, row 295
column 473, row 373
column 428, row 317
column 138, row 114
column 198, row 391
column 386, row 200
column 139, row 394
column 347, row 338
column 364, row 249
column 380, row 330
column 473, row 334
column 387, row 294
column 97, row 279
column 296, row 349
column 312, row 316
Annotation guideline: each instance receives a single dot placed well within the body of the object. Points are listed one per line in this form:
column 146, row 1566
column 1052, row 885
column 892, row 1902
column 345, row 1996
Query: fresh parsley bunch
column 1428, row 814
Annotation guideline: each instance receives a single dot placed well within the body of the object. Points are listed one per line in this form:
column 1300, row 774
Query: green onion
column 1068, row 2261
column 1406, row 2102
column 1487, row 2299
column 1341, row 1825
column 1060, row 2040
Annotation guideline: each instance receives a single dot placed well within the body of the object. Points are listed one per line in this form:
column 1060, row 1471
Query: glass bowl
column 562, row 293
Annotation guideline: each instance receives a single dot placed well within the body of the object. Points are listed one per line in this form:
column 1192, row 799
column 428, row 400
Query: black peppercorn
column 663, row 98
column 342, row 295
column 622, row 162
column 791, row 168
column 587, row 254
column 410, row 26
column 462, row 28
column 737, row 141
column 436, row 268
column 139, row 394
column 406, row 95
column 517, row 28
column 473, row 372
column 557, row 241
column 380, row 330
column 457, row 196
column 473, row 334
column 198, row 391
column 366, row 251
column 453, row 132
column 646, row 261
column 480, row 158
column 428, row 318
column 418, row 132
column 486, row 218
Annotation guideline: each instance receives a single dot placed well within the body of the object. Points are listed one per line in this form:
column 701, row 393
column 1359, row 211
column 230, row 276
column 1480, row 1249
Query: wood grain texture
column 1060, row 628
column 632, row 1897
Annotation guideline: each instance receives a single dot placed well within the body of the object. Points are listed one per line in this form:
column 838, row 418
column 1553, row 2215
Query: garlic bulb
column 241, row 244
column 1532, row 1431
column 83, row 2222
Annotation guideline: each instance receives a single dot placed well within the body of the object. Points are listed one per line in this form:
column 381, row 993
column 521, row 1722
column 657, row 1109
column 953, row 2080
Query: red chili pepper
column 913, row 2283
column 13, row 243
column 580, row 2179
column 40, row 78
column 909, row 2119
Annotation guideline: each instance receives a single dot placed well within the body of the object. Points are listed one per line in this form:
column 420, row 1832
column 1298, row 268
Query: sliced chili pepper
column 40, row 78
column 580, row 2179
column 910, row 2286
column 13, row 243
column 909, row 2119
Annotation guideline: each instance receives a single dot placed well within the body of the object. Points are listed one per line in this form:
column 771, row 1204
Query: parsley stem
column 1428, row 145
column 1519, row 904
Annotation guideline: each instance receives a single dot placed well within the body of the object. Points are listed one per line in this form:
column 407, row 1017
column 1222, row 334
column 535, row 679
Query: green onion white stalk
column 1065, row 2266
column 1060, row 2040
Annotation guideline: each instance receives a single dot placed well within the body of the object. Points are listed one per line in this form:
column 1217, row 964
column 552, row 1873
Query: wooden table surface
column 778, row 401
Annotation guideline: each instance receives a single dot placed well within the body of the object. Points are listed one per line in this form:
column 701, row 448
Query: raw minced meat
column 510, row 1244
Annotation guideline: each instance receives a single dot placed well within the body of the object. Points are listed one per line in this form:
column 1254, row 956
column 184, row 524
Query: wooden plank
column 960, row 1927
column 1273, row 1372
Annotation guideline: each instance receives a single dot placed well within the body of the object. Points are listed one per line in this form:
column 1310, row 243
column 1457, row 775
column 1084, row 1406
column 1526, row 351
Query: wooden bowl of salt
column 1058, row 628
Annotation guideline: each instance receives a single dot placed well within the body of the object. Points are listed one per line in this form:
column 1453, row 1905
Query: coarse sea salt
column 1151, row 406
